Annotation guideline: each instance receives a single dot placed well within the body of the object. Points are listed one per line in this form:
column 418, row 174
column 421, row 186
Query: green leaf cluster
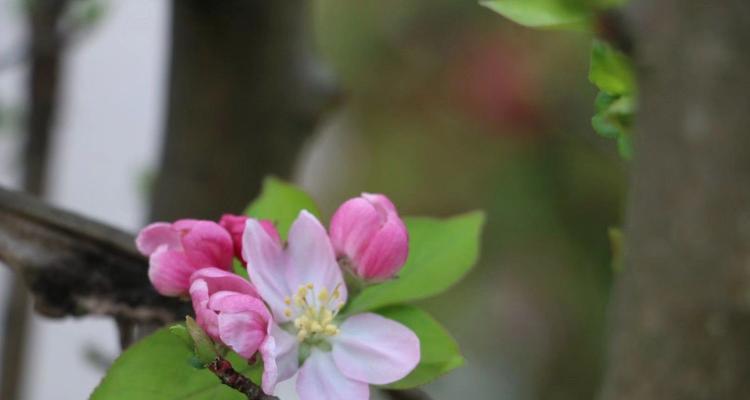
column 442, row 251
column 615, row 105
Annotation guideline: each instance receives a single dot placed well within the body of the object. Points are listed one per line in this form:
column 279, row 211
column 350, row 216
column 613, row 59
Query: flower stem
column 222, row 368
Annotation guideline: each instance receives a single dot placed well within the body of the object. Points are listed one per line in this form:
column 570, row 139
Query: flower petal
column 270, row 368
column 265, row 261
column 233, row 302
column 386, row 252
column 242, row 332
column 280, row 358
column 374, row 349
column 311, row 258
column 160, row 233
column 220, row 280
column 353, row 224
column 320, row 379
column 169, row 271
column 206, row 318
column 207, row 244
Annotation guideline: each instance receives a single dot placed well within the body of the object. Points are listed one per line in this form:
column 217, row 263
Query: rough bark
column 243, row 97
column 681, row 324
column 74, row 266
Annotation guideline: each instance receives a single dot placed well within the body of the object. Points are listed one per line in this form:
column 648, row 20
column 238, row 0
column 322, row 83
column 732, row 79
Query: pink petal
column 207, row 244
column 233, row 302
column 235, row 225
column 169, row 271
column 320, row 379
column 386, row 252
column 374, row 349
column 183, row 226
column 206, row 318
column 381, row 202
column 353, row 224
column 155, row 235
column 270, row 369
column 242, row 332
column 280, row 357
column 218, row 280
column 287, row 352
column 265, row 267
column 311, row 258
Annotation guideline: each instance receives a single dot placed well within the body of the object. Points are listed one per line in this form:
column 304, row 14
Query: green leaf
column 204, row 346
column 181, row 332
column 281, row 202
column 441, row 252
column 158, row 368
column 439, row 351
column 610, row 70
column 614, row 119
column 566, row 14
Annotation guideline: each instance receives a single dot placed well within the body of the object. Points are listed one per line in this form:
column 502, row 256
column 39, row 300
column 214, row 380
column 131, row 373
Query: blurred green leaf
column 158, row 368
column 625, row 146
column 566, row 14
column 610, row 70
column 281, row 202
column 441, row 252
column 614, row 119
column 438, row 350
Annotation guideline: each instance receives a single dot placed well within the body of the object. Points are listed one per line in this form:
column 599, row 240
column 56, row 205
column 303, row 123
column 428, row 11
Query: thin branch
column 222, row 368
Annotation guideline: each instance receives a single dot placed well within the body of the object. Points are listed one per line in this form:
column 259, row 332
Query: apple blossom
column 178, row 249
column 337, row 357
column 229, row 309
column 369, row 237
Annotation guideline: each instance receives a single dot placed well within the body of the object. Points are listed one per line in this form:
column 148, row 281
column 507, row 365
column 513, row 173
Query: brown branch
column 75, row 266
column 222, row 368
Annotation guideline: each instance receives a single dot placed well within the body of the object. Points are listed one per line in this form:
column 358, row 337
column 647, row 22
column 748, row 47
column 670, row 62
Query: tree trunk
column 45, row 55
column 681, row 323
column 243, row 98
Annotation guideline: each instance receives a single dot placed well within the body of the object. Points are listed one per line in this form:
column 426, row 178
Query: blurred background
column 440, row 104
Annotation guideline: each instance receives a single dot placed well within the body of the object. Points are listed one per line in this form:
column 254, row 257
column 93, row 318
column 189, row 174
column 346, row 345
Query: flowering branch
column 223, row 369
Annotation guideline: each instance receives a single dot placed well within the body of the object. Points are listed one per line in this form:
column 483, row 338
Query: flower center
column 315, row 312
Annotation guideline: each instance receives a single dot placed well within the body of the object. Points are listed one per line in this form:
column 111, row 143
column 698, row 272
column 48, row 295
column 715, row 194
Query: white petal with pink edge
column 374, row 349
column 320, row 379
column 265, row 259
column 311, row 258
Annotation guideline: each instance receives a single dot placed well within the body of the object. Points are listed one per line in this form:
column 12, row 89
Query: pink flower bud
column 368, row 233
column 235, row 225
column 177, row 250
column 228, row 308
